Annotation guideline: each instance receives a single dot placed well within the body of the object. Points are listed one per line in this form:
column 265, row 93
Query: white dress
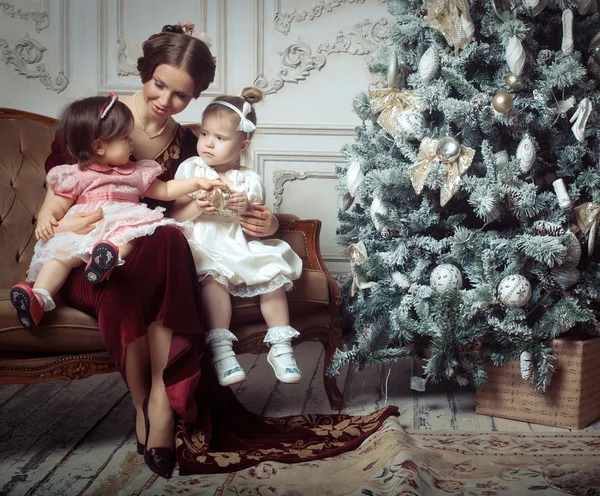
column 246, row 265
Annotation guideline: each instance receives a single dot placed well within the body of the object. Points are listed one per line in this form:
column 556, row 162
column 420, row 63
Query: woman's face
column 168, row 92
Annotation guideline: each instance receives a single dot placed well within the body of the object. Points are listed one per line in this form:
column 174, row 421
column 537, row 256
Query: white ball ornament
column 514, row 290
column 445, row 277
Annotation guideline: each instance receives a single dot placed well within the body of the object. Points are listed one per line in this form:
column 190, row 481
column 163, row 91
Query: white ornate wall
column 307, row 55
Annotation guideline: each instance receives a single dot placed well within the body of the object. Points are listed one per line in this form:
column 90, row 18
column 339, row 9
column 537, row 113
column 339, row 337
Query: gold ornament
column 448, row 17
column 218, row 197
column 502, row 102
column 427, row 157
column 515, row 83
column 357, row 253
column 391, row 102
column 587, row 217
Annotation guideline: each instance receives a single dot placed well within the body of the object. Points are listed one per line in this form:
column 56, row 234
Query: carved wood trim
column 67, row 369
column 8, row 113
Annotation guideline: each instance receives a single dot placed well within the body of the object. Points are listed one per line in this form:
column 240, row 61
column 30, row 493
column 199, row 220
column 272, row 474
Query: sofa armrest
column 310, row 229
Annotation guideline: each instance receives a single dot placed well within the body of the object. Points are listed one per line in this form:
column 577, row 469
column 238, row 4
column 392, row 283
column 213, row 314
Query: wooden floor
column 64, row 438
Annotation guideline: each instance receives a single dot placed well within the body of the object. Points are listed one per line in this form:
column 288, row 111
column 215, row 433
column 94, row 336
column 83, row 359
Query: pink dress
column 117, row 190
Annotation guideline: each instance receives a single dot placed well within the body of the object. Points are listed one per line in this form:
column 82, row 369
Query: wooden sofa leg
column 335, row 396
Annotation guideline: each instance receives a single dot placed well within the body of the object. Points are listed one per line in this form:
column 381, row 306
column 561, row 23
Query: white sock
column 44, row 298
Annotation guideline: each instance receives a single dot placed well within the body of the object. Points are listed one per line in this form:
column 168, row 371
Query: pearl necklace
column 137, row 114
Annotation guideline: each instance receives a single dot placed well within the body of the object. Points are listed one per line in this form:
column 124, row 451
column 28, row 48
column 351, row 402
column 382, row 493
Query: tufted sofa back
column 25, row 140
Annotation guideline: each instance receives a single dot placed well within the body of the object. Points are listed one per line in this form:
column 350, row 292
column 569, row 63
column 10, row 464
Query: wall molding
column 39, row 17
column 306, row 129
column 125, row 67
column 27, row 53
column 298, row 60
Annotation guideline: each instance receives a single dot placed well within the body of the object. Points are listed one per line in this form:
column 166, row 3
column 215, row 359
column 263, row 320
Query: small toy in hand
column 217, row 197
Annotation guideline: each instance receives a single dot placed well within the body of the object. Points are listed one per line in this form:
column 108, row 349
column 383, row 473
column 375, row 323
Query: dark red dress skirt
column 157, row 282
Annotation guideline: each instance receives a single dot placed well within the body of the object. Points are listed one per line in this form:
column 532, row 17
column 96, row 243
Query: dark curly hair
column 80, row 127
column 173, row 47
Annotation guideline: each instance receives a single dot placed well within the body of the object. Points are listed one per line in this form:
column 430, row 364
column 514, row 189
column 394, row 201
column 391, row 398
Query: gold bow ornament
column 453, row 19
column 390, row 102
column 357, row 253
column 456, row 165
column 587, row 216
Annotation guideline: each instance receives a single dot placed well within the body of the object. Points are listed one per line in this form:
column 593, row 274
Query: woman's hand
column 80, row 222
column 203, row 204
column 259, row 221
column 44, row 228
column 238, row 201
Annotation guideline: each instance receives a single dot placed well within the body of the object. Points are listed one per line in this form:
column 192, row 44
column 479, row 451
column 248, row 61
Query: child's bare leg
column 54, row 273
column 274, row 307
column 125, row 249
column 216, row 304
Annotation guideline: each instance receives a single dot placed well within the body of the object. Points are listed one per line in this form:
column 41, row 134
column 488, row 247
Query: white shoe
column 580, row 118
column 281, row 358
column 227, row 367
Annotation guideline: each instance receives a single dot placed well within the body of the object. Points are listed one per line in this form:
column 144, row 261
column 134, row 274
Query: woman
column 150, row 320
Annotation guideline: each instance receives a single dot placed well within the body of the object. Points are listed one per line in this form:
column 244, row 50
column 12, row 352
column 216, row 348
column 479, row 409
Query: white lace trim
column 220, row 333
column 282, row 334
column 245, row 291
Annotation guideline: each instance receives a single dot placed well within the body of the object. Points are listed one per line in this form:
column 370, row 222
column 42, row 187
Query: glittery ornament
column 378, row 207
column 448, row 16
column 348, row 201
column 411, row 125
column 354, row 177
column 502, row 102
column 587, row 217
column 593, row 62
column 515, row 83
column 514, row 290
column 390, row 103
column 427, row 158
column 357, row 253
column 534, row 7
column 445, row 277
column 566, row 276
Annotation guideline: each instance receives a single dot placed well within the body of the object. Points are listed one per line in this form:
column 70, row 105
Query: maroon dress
column 214, row 432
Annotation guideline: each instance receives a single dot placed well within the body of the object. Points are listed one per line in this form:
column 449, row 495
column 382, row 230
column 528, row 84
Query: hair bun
column 172, row 28
column 253, row 95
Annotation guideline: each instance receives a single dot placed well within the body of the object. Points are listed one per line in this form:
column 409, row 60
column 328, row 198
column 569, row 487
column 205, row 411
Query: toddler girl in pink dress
column 95, row 133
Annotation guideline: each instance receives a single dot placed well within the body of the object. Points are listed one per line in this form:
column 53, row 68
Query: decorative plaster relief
column 28, row 52
column 298, row 60
column 284, row 20
column 40, row 17
column 280, row 177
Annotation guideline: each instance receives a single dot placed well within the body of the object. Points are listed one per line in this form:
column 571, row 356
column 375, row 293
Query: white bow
column 245, row 125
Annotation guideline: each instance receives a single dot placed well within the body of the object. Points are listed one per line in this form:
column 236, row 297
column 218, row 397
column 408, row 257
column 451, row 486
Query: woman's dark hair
column 251, row 95
column 80, row 127
column 173, row 47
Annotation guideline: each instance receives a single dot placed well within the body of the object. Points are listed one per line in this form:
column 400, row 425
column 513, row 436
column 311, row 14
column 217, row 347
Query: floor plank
column 31, row 453
column 255, row 391
column 363, row 392
column 316, row 400
column 78, row 470
column 8, row 391
column 288, row 399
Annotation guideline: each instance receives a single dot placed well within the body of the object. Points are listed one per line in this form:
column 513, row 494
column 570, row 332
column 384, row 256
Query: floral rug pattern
column 412, row 463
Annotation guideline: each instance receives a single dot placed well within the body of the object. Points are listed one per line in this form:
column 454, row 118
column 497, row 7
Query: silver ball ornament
column 448, row 149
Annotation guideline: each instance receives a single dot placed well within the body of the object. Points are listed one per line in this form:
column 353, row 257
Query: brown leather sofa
column 67, row 345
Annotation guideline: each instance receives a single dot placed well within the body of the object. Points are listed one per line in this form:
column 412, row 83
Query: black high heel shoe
column 138, row 445
column 160, row 460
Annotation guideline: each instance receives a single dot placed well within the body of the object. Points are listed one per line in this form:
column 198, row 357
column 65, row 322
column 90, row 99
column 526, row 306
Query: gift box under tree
column 572, row 399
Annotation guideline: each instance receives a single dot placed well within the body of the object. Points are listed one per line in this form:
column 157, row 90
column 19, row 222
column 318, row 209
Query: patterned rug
column 400, row 463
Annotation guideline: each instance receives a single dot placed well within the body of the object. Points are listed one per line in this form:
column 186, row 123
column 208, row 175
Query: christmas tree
column 472, row 189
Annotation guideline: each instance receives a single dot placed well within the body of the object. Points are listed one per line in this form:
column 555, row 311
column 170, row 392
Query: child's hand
column 203, row 204
column 44, row 228
column 207, row 184
column 238, row 201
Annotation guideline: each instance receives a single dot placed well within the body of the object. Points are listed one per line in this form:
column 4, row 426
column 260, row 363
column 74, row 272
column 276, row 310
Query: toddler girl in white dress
column 95, row 133
column 226, row 262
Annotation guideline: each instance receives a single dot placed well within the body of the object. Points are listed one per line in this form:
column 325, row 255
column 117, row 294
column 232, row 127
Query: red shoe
column 29, row 309
column 104, row 259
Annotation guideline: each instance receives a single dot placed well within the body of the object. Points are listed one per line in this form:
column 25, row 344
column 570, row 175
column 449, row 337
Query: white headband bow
column 246, row 125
